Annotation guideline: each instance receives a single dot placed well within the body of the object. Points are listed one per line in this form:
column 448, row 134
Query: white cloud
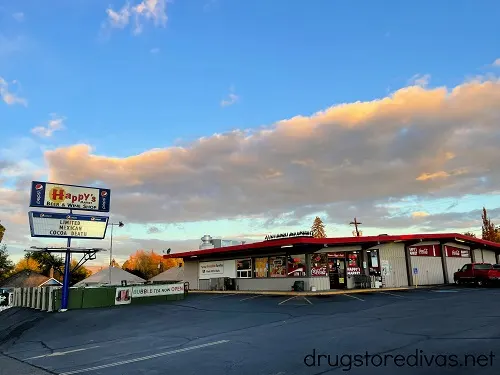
column 420, row 80
column 231, row 99
column 415, row 142
column 9, row 97
column 154, row 11
column 53, row 125
column 18, row 16
column 496, row 63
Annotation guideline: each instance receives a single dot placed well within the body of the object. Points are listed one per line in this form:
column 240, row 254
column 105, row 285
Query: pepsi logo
column 42, row 215
column 39, row 186
column 92, row 219
column 68, row 217
column 104, row 193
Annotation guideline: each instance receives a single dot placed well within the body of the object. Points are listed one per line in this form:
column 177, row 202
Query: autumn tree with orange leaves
column 148, row 264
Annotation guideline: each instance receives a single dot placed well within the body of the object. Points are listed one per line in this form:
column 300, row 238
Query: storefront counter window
column 297, row 265
column 373, row 263
column 244, row 268
column 319, row 264
column 261, row 267
column 277, row 266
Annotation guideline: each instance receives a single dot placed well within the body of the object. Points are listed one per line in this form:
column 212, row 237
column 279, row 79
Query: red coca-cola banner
column 455, row 252
column 319, row 271
column 425, row 250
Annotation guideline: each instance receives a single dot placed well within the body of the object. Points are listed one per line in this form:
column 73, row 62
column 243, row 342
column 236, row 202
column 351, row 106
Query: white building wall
column 489, row 256
column 453, row 264
column 430, row 270
column 191, row 274
column 392, row 255
column 485, row 256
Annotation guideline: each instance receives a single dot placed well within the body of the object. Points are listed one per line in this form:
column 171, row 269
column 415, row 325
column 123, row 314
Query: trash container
column 298, row 286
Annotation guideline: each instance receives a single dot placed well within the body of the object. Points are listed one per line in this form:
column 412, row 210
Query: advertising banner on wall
column 59, row 196
column 123, row 296
column 212, row 268
column 425, row 250
column 54, row 225
column 157, row 290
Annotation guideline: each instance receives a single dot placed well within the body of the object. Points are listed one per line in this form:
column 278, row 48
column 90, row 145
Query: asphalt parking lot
column 418, row 331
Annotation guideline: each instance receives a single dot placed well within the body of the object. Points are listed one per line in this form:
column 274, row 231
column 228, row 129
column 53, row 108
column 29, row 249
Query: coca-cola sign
column 454, row 252
column 426, row 250
column 318, row 271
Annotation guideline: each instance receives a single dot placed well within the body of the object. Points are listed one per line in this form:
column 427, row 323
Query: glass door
column 336, row 273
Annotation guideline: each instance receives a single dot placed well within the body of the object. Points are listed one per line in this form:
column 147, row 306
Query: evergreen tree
column 6, row 265
column 488, row 230
column 2, row 232
column 318, row 228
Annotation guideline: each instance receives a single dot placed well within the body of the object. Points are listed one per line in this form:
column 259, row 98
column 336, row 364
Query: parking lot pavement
column 268, row 335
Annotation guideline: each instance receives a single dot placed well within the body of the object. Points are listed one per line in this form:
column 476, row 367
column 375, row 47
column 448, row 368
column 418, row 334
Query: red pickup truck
column 478, row 273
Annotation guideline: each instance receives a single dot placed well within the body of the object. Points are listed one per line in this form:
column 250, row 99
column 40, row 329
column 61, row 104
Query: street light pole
column 119, row 224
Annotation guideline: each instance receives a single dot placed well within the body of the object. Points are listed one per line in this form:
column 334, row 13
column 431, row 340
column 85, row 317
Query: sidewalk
column 318, row 293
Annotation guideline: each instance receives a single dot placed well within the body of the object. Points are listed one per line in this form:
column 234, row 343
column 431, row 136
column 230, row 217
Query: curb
column 319, row 293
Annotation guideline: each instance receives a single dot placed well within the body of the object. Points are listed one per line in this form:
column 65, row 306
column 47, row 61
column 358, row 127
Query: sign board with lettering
column 157, row 290
column 69, row 197
column 425, row 250
column 454, row 252
column 305, row 233
column 56, row 225
column 212, row 268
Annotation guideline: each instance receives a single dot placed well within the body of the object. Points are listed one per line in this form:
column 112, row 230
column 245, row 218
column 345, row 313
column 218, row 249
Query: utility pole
column 356, row 232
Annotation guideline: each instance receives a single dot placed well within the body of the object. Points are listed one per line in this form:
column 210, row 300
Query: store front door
column 337, row 272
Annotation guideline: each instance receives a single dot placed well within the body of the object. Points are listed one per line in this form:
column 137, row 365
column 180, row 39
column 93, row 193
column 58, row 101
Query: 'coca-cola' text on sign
column 318, row 271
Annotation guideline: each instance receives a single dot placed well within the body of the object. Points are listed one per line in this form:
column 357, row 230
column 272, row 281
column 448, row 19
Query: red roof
column 339, row 241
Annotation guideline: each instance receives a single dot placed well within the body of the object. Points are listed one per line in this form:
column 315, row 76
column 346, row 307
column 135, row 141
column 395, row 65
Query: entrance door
column 336, row 272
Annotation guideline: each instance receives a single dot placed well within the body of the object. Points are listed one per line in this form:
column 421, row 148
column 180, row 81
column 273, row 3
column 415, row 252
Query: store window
column 277, row 266
column 319, row 265
column 296, row 265
column 244, row 268
column 261, row 267
column 353, row 260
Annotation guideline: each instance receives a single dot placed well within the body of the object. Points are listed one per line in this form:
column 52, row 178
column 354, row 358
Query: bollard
column 28, row 297
column 38, row 298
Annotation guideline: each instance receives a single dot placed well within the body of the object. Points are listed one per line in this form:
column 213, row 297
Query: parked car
column 478, row 273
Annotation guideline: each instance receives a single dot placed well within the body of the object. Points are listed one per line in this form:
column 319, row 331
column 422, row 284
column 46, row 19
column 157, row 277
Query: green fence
column 84, row 298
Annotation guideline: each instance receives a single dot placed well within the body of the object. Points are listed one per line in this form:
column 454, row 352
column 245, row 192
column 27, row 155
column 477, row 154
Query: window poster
column 277, row 266
column 261, row 267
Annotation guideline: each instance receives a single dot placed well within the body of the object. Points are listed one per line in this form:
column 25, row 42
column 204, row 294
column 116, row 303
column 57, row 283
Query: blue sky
column 125, row 93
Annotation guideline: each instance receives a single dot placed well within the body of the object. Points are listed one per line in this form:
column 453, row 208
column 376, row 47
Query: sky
column 239, row 119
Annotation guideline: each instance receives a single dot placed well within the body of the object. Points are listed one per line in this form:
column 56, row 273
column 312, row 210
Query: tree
column 78, row 275
column 6, row 264
column 470, row 234
column 148, row 264
column 2, row 232
column 488, row 231
column 46, row 261
column 318, row 228
column 27, row 264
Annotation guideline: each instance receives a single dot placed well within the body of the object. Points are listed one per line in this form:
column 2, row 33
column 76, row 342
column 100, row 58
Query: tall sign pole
column 67, row 275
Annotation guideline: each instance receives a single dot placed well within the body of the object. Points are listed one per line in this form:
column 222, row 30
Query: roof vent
column 206, row 242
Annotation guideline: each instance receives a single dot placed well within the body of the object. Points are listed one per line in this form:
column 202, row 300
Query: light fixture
column 194, row 256
column 459, row 240
column 285, row 246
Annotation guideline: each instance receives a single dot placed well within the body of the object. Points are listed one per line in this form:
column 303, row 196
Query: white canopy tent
column 103, row 277
column 172, row 274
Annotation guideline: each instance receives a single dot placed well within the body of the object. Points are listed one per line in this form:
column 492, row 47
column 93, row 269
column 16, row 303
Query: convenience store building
column 334, row 263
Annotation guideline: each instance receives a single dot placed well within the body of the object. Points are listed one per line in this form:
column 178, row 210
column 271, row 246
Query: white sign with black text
column 157, row 290
column 212, row 268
